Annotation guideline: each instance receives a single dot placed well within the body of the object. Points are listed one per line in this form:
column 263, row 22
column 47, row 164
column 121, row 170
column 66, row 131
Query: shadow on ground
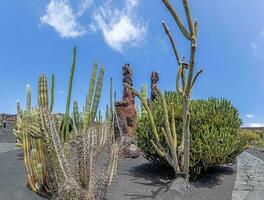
column 140, row 179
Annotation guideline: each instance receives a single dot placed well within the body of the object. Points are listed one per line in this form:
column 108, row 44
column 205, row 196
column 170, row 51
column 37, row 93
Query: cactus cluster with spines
column 61, row 162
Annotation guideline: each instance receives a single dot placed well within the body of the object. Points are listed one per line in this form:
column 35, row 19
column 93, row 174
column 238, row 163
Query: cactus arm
column 89, row 97
column 188, row 15
column 178, row 88
column 28, row 93
column 97, row 94
column 111, row 99
column 167, row 31
column 177, row 19
column 173, row 128
column 196, row 76
column 43, row 92
column 159, row 151
column 52, row 92
column 18, row 108
column 145, row 104
column 66, row 127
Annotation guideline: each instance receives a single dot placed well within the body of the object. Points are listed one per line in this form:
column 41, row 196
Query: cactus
column 42, row 92
column 97, row 94
column 89, row 97
column 144, row 96
column 76, row 114
column 65, row 131
column 18, row 108
column 185, row 87
column 93, row 96
column 28, row 93
column 52, row 92
column 60, row 168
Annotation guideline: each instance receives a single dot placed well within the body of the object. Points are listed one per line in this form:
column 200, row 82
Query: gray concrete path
column 249, row 183
column 4, row 147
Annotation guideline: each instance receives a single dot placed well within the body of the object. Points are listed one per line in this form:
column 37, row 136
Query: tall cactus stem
column 52, row 92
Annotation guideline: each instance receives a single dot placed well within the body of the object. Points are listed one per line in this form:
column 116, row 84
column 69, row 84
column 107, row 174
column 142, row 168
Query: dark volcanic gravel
column 136, row 179
column 13, row 178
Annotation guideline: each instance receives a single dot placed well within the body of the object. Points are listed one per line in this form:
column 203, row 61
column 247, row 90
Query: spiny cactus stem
column 28, row 93
column 89, row 97
column 52, row 92
column 65, row 129
column 97, row 94
column 111, row 98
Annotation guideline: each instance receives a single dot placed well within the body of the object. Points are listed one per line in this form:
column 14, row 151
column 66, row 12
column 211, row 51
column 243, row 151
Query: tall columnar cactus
column 93, row 96
column 65, row 170
column 184, row 84
column 76, row 114
column 43, row 92
column 65, row 131
column 97, row 94
column 18, row 109
column 89, row 97
column 144, row 96
column 28, row 93
column 52, row 92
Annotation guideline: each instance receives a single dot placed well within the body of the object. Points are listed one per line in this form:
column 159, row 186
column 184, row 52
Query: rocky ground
column 140, row 179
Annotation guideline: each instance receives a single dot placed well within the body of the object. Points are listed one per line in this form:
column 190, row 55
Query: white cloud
column 256, row 50
column 60, row 16
column 256, row 125
column 83, row 6
column 119, row 27
column 250, row 116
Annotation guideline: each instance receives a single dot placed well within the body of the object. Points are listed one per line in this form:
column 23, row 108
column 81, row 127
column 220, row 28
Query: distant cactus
column 28, row 92
column 43, row 92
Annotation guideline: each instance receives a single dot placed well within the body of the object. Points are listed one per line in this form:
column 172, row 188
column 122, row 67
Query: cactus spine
column 184, row 88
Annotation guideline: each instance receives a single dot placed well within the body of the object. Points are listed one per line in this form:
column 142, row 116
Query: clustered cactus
column 60, row 160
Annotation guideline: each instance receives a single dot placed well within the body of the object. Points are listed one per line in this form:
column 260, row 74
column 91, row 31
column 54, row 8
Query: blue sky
column 37, row 36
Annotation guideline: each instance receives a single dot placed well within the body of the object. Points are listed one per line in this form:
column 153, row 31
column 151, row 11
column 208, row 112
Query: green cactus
column 52, row 92
column 59, row 166
column 18, row 108
column 76, row 114
column 65, row 131
column 28, row 93
column 97, row 93
column 187, row 83
column 89, row 97
column 43, row 92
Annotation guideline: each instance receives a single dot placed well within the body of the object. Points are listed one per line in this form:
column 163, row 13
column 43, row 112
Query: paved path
column 4, row 147
column 249, row 183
